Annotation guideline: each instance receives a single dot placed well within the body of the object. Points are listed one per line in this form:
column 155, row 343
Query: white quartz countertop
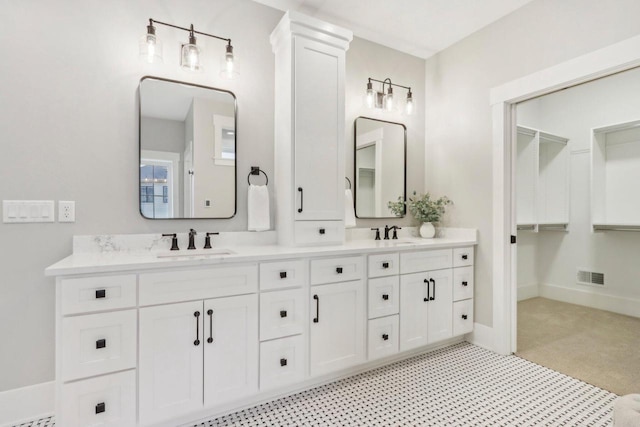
column 107, row 261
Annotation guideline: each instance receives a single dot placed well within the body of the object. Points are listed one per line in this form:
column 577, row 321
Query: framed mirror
column 187, row 150
column 380, row 166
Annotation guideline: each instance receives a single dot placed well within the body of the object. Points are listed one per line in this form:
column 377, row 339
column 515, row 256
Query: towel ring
column 349, row 181
column 255, row 170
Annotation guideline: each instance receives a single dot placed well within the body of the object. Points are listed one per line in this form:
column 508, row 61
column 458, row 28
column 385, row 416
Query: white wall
column 73, row 67
column 572, row 113
column 458, row 155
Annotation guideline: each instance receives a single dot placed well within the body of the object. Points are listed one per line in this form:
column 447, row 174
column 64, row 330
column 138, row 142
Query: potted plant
column 423, row 208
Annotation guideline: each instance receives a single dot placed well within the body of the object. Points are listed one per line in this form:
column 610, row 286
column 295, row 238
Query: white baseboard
column 622, row 305
column 481, row 336
column 528, row 291
column 27, row 403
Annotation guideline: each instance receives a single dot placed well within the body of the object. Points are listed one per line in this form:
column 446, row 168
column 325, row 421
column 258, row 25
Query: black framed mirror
column 187, row 151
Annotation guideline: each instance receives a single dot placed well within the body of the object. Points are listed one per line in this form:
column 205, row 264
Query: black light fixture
column 385, row 99
column 190, row 56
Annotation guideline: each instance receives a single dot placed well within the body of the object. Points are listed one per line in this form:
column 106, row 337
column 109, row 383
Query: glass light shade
column 190, row 58
column 409, row 106
column 150, row 48
column 229, row 64
column 371, row 96
column 388, row 102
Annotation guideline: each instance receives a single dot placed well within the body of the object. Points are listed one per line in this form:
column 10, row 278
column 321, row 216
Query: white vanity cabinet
column 309, row 129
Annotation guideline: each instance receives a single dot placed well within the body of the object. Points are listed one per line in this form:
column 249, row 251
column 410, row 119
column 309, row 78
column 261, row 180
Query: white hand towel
column 258, row 208
column 349, row 211
column 626, row 411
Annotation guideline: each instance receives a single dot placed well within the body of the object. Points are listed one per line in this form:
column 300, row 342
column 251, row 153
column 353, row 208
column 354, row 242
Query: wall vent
column 590, row 278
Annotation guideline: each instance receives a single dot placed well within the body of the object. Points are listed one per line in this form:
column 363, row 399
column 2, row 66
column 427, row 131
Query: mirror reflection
column 187, row 150
column 380, row 166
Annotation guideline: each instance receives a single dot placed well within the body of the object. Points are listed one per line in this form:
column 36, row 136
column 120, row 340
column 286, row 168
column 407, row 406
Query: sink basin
column 401, row 242
column 204, row 253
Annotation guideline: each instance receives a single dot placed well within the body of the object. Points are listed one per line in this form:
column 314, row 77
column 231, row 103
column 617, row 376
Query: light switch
column 25, row 211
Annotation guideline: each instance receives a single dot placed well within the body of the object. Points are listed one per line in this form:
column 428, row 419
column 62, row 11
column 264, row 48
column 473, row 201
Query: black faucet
column 174, row 241
column 377, row 230
column 192, row 235
column 395, row 229
column 386, row 232
column 207, row 240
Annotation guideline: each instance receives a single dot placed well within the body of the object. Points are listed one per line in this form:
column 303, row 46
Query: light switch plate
column 25, row 211
column 66, row 211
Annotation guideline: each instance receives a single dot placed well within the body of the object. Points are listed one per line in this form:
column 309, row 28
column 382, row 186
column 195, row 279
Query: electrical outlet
column 66, row 211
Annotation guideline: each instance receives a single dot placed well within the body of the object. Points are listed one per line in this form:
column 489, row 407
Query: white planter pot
column 427, row 230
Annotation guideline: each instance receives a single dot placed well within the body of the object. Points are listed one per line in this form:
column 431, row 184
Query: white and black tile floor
column 460, row 385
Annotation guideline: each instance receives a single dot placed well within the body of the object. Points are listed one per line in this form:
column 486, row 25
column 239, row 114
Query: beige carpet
column 598, row 347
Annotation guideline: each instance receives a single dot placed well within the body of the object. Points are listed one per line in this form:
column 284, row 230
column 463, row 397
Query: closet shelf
column 616, row 227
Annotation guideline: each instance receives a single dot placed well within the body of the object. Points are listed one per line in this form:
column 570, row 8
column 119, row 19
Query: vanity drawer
column 463, row 256
column 415, row 262
column 282, row 362
column 384, row 296
column 331, row 270
column 383, row 337
column 384, row 265
column 282, row 313
column 282, row 274
column 319, row 232
column 108, row 401
column 462, row 283
column 87, row 294
column 187, row 285
column 462, row 317
column 96, row 344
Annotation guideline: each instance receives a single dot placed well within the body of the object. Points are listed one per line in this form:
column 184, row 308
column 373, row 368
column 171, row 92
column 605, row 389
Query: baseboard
column 27, row 403
column 621, row 305
column 528, row 291
column 482, row 336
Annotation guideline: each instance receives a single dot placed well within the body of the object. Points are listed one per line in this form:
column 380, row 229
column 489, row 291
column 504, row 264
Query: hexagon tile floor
column 460, row 385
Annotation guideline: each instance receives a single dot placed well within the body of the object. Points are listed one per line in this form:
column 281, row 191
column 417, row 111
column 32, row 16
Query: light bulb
column 388, row 100
column 229, row 66
column 371, row 96
column 190, row 59
column 409, row 105
column 150, row 46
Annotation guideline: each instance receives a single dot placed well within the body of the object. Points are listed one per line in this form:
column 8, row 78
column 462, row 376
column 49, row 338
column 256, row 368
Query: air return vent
column 590, row 278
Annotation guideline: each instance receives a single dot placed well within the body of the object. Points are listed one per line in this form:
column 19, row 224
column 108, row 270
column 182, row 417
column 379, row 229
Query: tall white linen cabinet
column 309, row 130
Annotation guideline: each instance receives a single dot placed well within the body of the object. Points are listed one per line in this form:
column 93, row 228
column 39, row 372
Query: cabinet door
column 337, row 326
column 230, row 348
column 440, row 318
column 170, row 366
column 319, row 130
column 414, row 310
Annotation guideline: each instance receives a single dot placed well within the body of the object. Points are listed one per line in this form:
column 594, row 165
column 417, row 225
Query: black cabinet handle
column 283, row 362
column 317, row 318
column 101, row 343
column 464, row 283
column 465, row 256
column 210, row 313
column 433, row 296
column 385, row 265
column 101, row 293
column 197, row 316
column 427, row 282
column 100, row 408
column 464, row 316
column 385, row 297
column 301, row 200
column 339, row 270
column 283, row 274
column 283, row 313
column 385, row 336
column 322, row 231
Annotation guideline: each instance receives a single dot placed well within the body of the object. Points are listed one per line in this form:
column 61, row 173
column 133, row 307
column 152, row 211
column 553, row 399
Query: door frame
column 612, row 59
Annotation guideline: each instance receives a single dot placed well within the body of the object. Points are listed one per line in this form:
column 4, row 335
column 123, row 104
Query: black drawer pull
column 322, row 231
column 102, row 343
column 464, row 316
column 100, row 408
column 464, row 283
column 465, row 256
column 197, row 316
column 301, row 200
column 283, row 274
column 433, row 296
column 317, row 318
column 210, row 313
column 385, row 336
column 385, row 297
column 427, row 282
column 385, row 265
column 283, row 313
column 339, row 270
column 101, row 293
column 283, row 362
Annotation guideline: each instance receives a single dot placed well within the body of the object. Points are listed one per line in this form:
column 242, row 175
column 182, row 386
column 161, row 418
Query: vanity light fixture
column 385, row 99
column 191, row 54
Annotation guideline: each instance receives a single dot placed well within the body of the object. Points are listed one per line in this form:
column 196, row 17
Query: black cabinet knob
column 385, row 297
column 283, row 313
column 102, row 343
column 283, row 274
column 464, row 316
column 385, row 336
column 322, row 231
column 101, row 293
column 464, row 283
column 283, row 362
column 339, row 270
column 100, row 408
column 465, row 256
column 385, row 265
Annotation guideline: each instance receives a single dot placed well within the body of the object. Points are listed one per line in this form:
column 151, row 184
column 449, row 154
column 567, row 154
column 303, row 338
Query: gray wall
column 78, row 80
column 458, row 156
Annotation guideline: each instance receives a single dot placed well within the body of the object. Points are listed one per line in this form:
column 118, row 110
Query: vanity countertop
column 110, row 260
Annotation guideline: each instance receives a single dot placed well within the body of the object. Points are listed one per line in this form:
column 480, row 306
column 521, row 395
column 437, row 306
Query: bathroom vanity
column 146, row 339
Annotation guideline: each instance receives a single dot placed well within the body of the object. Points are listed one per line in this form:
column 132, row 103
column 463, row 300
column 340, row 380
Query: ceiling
column 417, row 27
